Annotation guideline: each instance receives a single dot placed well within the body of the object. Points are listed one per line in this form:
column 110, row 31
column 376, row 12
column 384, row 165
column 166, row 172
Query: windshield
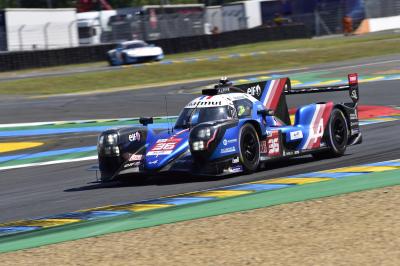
column 194, row 116
column 135, row 45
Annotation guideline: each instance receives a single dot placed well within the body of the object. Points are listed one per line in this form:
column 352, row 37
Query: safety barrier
column 378, row 24
column 84, row 54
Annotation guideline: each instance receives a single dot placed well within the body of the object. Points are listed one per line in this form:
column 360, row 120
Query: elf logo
column 254, row 90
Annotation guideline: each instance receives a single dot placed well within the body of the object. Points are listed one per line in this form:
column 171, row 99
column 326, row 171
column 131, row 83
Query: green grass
column 309, row 52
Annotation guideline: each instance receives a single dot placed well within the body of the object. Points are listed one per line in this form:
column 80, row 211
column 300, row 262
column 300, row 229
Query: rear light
column 353, row 79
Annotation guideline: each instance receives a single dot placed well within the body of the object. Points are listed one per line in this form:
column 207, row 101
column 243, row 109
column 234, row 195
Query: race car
column 134, row 52
column 233, row 129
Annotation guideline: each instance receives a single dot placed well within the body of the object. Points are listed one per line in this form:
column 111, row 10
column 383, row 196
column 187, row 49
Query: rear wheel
column 249, row 148
column 110, row 61
column 336, row 136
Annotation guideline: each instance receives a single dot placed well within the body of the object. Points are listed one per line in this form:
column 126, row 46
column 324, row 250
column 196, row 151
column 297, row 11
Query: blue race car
column 232, row 129
column 136, row 51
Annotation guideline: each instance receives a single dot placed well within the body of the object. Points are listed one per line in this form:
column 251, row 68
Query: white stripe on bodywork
column 269, row 92
column 312, row 126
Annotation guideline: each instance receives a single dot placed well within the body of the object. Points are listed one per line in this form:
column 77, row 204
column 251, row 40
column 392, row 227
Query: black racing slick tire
column 125, row 59
column 110, row 61
column 249, row 145
column 336, row 136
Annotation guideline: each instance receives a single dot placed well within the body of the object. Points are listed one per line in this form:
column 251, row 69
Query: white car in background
column 131, row 52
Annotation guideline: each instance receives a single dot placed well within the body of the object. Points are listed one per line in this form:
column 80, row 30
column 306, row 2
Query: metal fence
column 328, row 17
column 381, row 8
column 44, row 36
column 149, row 28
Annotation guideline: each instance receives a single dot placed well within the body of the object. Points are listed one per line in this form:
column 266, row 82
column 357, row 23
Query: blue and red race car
column 232, row 129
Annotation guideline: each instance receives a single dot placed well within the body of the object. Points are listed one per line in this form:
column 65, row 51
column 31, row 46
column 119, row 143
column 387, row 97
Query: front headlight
column 108, row 144
column 204, row 133
column 111, row 139
column 202, row 137
column 198, row 145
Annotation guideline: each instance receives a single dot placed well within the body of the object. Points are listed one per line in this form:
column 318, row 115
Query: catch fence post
column 21, row 45
column 71, row 42
column 46, row 36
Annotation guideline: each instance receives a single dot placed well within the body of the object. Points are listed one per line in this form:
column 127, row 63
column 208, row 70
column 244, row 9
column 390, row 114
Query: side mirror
column 266, row 112
column 146, row 120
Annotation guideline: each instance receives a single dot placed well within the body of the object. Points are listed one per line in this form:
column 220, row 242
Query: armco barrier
column 84, row 54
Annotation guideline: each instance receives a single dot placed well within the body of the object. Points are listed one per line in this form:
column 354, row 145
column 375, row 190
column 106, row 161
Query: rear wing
column 352, row 87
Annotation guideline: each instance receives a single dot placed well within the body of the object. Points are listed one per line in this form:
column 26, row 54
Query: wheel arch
column 256, row 126
column 342, row 108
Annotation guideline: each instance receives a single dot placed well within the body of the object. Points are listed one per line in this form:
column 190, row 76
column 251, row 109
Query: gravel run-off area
column 361, row 228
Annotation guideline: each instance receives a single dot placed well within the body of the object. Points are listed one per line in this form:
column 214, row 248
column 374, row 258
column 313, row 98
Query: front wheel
column 336, row 136
column 110, row 60
column 249, row 148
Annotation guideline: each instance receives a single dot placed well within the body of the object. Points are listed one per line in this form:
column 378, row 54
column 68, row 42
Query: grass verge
column 281, row 54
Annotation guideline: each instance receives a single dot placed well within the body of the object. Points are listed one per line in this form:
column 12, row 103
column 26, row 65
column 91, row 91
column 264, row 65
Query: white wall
column 26, row 28
column 250, row 15
column 253, row 13
column 386, row 23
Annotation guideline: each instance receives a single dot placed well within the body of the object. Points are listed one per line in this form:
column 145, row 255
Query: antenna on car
column 166, row 111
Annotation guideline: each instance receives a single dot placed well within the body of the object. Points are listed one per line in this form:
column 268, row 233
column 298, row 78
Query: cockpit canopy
column 214, row 108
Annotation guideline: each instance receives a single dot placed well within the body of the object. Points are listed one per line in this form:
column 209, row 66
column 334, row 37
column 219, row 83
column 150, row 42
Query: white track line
column 49, row 163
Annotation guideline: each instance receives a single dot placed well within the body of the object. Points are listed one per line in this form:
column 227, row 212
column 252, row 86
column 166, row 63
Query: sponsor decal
column 153, row 162
column 290, row 153
column 133, row 164
column 268, row 133
column 235, row 160
column 354, row 124
column 354, row 95
column 223, row 90
column 135, row 157
column 263, row 146
column 235, row 169
column 134, row 137
column 204, row 104
column 273, row 144
column 354, row 115
column 229, row 141
column 164, row 146
column 294, row 135
column 254, row 90
column 227, row 150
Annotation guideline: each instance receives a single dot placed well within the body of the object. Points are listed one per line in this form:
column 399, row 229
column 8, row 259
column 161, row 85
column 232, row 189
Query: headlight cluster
column 111, row 139
column 198, row 145
column 203, row 137
column 108, row 144
column 204, row 133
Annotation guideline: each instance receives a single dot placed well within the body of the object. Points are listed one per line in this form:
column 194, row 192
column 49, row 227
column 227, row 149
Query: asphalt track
column 45, row 190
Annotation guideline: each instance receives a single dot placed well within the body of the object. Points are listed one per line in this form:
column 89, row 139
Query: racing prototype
column 233, row 129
